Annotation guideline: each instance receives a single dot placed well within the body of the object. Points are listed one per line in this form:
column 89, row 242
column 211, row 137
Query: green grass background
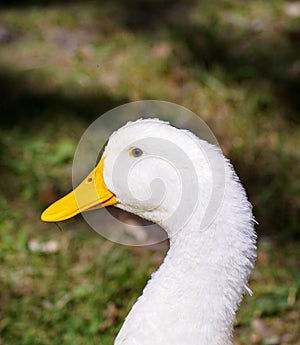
column 62, row 64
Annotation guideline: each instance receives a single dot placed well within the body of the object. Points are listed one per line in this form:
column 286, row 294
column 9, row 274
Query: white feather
column 193, row 297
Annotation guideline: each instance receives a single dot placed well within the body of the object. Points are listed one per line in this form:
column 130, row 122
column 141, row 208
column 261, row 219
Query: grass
column 81, row 292
column 61, row 66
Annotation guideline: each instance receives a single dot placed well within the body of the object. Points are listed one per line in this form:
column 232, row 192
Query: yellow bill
column 91, row 194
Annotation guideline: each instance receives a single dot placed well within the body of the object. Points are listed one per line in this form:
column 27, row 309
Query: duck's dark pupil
column 137, row 152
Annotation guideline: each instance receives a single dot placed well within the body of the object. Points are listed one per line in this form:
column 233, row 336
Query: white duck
column 171, row 177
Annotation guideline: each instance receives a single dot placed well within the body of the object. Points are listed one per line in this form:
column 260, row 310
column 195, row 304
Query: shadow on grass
column 22, row 105
column 254, row 52
column 22, row 3
column 257, row 52
column 250, row 56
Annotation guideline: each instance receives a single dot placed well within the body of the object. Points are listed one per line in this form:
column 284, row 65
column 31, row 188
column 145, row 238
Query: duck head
column 148, row 168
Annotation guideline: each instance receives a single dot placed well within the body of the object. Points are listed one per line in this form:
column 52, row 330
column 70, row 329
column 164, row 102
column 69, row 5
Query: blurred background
column 64, row 63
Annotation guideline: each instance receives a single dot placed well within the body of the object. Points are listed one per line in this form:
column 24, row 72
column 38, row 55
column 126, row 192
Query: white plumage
column 171, row 177
column 193, row 297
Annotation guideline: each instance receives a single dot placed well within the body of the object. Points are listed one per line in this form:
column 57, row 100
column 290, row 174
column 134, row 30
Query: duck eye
column 136, row 152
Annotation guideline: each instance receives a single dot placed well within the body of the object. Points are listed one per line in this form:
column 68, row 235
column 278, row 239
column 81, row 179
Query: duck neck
column 209, row 268
column 210, row 281
column 193, row 297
